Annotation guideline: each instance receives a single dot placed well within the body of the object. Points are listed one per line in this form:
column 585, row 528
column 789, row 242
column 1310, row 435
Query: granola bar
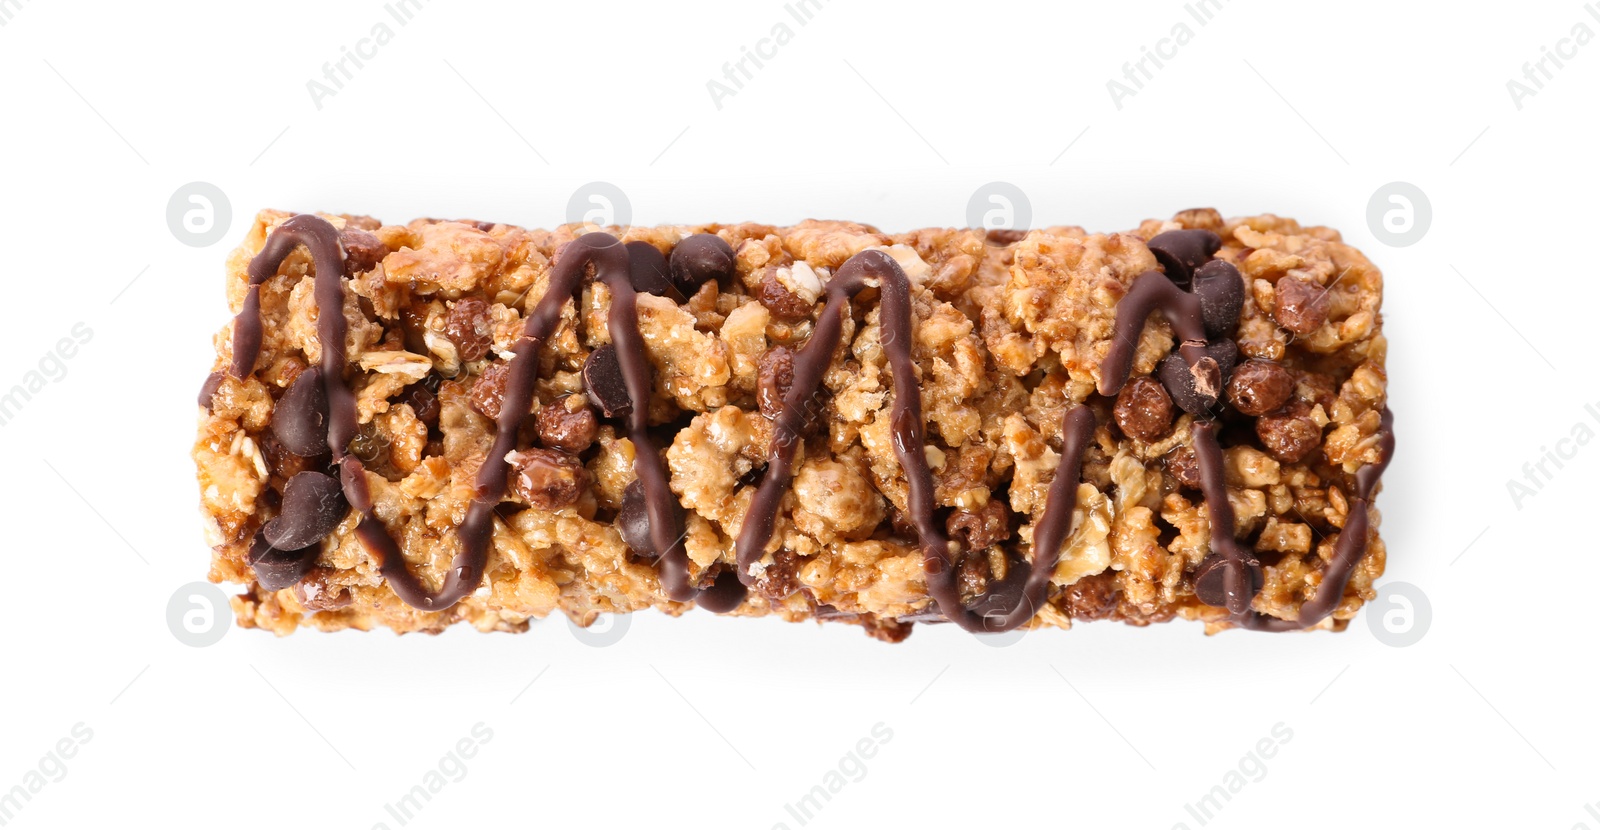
column 413, row 426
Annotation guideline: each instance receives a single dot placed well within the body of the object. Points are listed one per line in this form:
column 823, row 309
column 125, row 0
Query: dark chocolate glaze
column 1152, row 291
column 1351, row 545
column 1005, row 606
column 1231, row 575
column 466, row 572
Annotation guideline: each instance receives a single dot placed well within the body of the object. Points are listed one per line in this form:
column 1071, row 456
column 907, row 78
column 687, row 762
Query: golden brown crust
column 1006, row 337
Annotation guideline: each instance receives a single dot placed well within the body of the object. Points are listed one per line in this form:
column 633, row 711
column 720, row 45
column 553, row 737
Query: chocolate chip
column 980, row 529
column 278, row 569
column 362, row 251
column 1216, row 367
column 1005, row 236
column 1259, row 386
column 783, row 303
column 1182, row 251
column 633, row 519
column 547, row 479
column 1221, row 291
column 1211, row 579
column 469, row 327
column 602, row 378
column 1144, row 409
column 300, row 420
column 208, row 390
column 1184, row 467
column 725, row 593
column 781, row 579
column 697, row 259
column 313, row 506
column 1300, row 306
column 972, row 576
column 489, row 390
column 284, row 464
column 647, row 270
column 567, row 424
column 1289, row 433
column 1091, row 598
column 421, row 397
column 774, row 376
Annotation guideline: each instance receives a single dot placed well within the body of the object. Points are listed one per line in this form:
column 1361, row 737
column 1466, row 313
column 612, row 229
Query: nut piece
column 783, row 303
column 470, row 328
column 362, row 251
column 1301, row 306
column 546, row 479
column 567, row 424
column 775, row 374
column 1259, row 386
column 1289, row 433
column 490, row 390
column 982, row 528
column 1144, row 409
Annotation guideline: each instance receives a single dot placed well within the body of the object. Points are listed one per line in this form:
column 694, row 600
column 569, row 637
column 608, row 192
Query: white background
column 887, row 113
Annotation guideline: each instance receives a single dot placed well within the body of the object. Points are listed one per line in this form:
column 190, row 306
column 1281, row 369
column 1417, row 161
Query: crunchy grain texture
column 1008, row 334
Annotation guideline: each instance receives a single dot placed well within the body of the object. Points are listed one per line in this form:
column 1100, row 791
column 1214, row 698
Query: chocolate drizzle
column 1005, row 606
column 1149, row 292
column 1230, row 576
column 610, row 260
